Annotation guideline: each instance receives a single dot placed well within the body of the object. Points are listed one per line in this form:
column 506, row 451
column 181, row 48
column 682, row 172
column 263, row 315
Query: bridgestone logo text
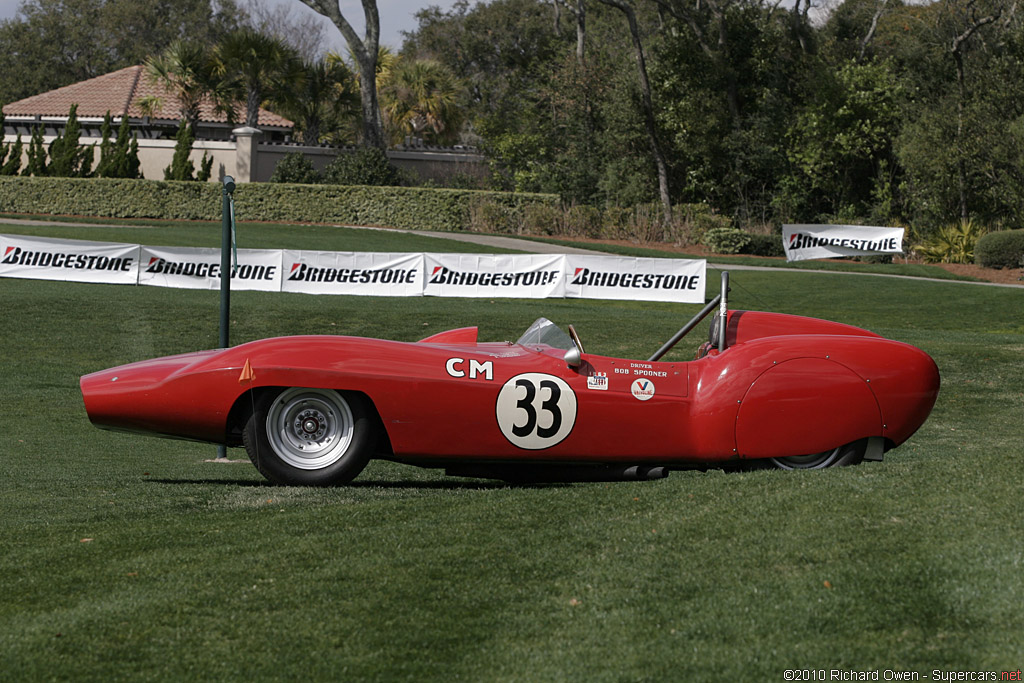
column 16, row 256
column 159, row 266
column 591, row 278
column 801, row 240
column 300, row 272
column 446, row 276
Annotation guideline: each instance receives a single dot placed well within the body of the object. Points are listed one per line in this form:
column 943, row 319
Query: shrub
column 763, row 245
column 1004, row 249
column 364, row 166
column 700, row 219
column 952, row 243
column 542, row 219
column 295, row 167
column 486, row 215
column 726, row 240
column 582, row 221
column 614, row 221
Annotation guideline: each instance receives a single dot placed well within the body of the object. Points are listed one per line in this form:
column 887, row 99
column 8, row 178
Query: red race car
column 794, row 392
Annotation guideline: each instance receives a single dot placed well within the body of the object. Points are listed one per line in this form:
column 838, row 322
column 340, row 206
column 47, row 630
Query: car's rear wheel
column 850, row 454
column 310, row 437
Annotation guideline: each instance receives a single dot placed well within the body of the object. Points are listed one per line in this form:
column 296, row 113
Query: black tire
column 310, row 437
column 850, row 454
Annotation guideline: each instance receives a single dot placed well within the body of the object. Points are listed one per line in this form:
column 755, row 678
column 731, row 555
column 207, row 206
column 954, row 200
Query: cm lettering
column 456, row 367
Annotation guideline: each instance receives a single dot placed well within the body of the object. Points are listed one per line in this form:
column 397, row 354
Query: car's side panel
column 803, row 406
column 462, row 417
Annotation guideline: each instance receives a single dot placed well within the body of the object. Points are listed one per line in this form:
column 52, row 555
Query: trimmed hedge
column 414, row 208
column 1003, row 249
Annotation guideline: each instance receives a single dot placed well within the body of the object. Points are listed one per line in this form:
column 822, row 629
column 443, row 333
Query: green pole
column 225, row 260
column 225, row 275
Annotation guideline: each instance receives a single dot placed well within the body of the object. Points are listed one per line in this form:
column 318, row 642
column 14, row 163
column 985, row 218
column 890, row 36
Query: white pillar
column 245, row 153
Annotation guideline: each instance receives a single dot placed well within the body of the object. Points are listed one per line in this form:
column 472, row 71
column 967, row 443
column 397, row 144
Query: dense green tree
column 323, row 101
column 503, row 51
column 181, row 167
column 422, row 98
column 730, row 75
column 187, row 70
column 106, row 146
column 252, row 67
column 69, row 159
column 10, row 154
column 118, row 158
column 52, row 43
column 840, row 144
column 36, row 165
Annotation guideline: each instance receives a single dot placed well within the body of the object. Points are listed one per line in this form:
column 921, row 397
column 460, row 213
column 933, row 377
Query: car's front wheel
column 310, row 437
column 850, row 454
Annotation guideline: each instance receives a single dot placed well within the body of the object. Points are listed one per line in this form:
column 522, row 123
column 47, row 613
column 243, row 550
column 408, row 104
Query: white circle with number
column 535, row 410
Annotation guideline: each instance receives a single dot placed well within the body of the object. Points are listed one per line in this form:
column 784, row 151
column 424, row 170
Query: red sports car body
column 791, row 391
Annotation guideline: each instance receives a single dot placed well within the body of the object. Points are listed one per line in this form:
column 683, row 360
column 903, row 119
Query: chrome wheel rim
column 814, row 461
column 310, row 428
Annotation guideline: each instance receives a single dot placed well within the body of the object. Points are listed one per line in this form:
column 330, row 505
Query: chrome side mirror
column 574, row 356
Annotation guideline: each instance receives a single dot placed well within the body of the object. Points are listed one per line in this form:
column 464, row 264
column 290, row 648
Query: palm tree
column 255, row 66
column 423, row 98
column 186, row 70
column 324, row 103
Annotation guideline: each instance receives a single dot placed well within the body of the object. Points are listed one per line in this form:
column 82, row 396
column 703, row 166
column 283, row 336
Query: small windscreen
column 545, row 332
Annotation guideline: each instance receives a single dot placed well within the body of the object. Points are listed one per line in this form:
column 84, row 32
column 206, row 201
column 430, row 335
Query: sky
column 395, row 16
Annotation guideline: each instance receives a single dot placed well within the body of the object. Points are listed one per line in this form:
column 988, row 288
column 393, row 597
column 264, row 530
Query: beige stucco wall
column 156, row 155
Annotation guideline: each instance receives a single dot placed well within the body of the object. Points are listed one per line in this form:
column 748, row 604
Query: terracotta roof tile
column 119, row 92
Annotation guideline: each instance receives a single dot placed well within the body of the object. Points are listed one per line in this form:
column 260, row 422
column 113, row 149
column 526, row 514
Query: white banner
column 803, row 242
column 528, row 276
column 623, row 277
column 199, row 268
column 346, row 272
column 44, row 258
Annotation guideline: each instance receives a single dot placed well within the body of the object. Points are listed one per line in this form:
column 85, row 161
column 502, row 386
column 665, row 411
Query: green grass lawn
column 132, row 558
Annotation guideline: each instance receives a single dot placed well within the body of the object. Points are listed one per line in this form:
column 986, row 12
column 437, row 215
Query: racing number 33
column 535, row 410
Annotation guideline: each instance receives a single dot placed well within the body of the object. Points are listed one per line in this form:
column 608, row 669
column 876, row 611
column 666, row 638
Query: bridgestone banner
column 525, row 276
column 199, row 268
column 648, row 279
column 803, row 242
column 43, row 258
column 533, row 276
column 360, row 273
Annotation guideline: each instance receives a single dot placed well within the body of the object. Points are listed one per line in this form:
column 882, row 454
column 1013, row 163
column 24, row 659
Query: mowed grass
column 248, row 235
column 131, row 558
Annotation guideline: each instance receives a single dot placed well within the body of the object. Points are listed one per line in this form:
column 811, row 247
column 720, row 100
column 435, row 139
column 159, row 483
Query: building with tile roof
column 246, row 154
column 123, row 93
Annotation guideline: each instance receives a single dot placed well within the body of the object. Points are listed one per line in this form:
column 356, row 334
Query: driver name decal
column 535, row 411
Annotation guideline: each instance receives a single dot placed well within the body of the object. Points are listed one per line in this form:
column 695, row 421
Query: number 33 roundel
column 535, row 410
